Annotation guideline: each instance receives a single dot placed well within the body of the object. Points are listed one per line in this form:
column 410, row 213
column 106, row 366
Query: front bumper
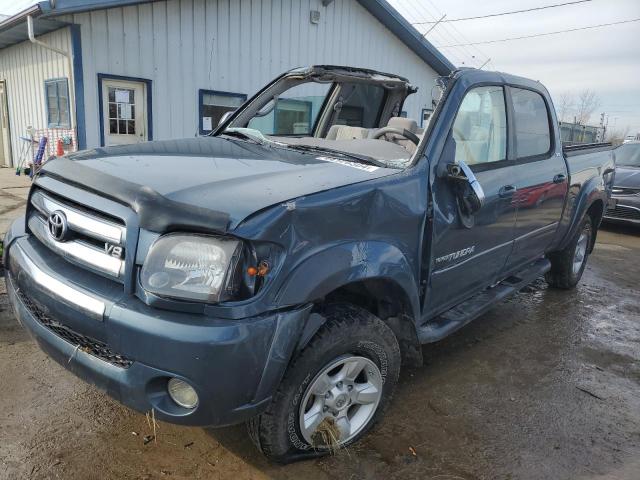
column 130, row 350
column 626, row 209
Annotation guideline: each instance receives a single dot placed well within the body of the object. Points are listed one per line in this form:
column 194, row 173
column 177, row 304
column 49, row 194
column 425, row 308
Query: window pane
column 112, row 94
column 113, row 110
column 215, row 105
column 64, row 111
column 532, row 123
column 122, row 127
column 480, row 128
column 113, row 126
column 131, row 127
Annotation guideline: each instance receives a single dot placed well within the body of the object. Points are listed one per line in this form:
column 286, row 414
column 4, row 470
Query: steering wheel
column 403, row 132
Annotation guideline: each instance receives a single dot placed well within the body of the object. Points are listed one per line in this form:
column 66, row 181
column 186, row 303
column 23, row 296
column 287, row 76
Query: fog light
column 182, row 393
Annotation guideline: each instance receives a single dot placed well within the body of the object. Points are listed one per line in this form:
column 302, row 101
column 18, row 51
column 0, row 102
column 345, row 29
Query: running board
column 458, row 316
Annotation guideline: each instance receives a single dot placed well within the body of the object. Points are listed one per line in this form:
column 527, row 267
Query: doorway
column 5, row 132
column 124, row 111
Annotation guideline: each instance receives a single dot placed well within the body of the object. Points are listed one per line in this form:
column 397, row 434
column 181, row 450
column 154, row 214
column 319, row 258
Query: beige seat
column 402, row 123
column 345, row 132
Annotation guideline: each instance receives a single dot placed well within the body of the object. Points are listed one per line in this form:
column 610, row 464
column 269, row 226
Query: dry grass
column 327, row 435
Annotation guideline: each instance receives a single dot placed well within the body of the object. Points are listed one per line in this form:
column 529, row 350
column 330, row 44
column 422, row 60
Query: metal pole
column 480, row 67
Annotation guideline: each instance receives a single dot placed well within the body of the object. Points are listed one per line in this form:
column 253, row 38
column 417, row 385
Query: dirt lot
column 546, row 385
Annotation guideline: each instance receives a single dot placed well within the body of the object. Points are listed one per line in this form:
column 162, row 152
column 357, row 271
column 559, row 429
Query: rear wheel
column 334, row 391
column 567, row 266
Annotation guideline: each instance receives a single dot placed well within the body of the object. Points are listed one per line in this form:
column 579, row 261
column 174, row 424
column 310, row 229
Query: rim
column 341, row 400
column 581, row 252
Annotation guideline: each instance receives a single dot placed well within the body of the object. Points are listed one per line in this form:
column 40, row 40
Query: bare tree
column 618, row 135
column 587, row 103
column 566, row 104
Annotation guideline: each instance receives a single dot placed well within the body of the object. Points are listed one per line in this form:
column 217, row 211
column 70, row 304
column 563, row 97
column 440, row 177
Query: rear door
column 540, row 176
column 470, row 251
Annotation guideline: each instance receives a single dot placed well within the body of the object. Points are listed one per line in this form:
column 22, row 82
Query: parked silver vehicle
column 626, row 190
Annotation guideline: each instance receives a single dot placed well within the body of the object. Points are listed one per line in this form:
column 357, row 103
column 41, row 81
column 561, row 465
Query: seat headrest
column 403, row 123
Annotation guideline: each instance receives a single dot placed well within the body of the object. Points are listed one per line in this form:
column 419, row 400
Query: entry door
column 5, row 134
column 124, row 110
column 470, row 250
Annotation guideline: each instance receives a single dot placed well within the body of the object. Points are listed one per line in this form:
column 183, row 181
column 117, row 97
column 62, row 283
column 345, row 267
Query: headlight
column 190, row 267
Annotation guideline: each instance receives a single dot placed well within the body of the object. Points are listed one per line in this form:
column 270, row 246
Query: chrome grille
column 89, row 234
column 623, row 212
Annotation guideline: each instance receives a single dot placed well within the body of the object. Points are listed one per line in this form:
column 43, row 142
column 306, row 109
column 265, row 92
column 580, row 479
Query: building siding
column 234, row 46
column 25, row 67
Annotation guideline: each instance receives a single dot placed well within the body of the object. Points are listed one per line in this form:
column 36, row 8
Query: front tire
column 334, row 390
column 567, row 266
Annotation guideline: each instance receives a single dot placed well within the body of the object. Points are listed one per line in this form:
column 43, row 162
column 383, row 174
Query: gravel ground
column 544, row 386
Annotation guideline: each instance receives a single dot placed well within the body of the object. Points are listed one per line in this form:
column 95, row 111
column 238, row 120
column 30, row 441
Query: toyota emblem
column 57, row 224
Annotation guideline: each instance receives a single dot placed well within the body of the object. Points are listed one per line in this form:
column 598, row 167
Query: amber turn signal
column 261, row 270
column 252, row 271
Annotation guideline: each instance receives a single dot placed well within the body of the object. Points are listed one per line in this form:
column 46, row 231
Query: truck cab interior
column 354, row 111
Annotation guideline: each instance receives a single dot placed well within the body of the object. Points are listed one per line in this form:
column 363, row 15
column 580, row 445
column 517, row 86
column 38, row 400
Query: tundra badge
column 454, row 255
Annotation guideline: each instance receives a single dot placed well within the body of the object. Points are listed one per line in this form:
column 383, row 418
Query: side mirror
column 470, row 190
column 225, row 116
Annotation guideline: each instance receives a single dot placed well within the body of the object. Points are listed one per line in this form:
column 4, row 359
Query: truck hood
column 207, row 183
column 627, row 177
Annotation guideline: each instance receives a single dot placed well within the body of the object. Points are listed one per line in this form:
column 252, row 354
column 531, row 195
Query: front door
column 124, row 111
column 5, row 134
column 470, row 250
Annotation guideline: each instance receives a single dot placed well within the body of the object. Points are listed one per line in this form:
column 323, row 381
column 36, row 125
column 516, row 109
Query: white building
column 102, row 72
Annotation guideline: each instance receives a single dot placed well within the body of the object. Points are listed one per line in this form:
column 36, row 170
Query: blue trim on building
column 148, row 84
column 201, row 93
column 78, row 86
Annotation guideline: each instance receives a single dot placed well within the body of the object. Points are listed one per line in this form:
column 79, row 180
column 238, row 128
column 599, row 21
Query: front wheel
column 568, row 265
column 334, row 390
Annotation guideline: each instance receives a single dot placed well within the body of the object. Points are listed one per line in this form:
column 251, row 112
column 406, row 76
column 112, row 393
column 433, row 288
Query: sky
column 605, row 60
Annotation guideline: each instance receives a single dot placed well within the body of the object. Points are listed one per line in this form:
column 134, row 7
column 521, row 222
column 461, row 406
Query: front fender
column 329, row 269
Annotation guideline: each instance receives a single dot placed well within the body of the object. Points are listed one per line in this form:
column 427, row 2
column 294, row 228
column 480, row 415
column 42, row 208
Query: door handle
column 560, row 178
column 507, row 191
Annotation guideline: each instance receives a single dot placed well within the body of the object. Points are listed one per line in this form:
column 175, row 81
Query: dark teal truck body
column 395, row 240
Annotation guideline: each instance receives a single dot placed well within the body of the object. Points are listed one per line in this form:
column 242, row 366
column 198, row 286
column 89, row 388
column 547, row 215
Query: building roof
column 14, row 28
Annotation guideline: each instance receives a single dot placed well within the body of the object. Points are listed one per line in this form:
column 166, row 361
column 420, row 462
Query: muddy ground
column 544, row 386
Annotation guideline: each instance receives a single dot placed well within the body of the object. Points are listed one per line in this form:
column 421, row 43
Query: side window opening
column 531, row 117
column 361, row 105
column 480, row 127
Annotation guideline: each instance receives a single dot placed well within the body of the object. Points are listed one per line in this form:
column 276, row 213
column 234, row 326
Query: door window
column 480, row 128
column 122, row 111
column 57, row 92
column 533, row 136
column 213, row 105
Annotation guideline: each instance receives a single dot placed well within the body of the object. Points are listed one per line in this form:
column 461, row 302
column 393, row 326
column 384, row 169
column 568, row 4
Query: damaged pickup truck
column 281, row 271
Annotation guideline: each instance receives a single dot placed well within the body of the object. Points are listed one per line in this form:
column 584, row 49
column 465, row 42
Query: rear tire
column 568, row 264
column 338, row 387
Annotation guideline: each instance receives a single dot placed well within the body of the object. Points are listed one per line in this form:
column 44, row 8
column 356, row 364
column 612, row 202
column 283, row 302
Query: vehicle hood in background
column 205, row 183
column 627, row 177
